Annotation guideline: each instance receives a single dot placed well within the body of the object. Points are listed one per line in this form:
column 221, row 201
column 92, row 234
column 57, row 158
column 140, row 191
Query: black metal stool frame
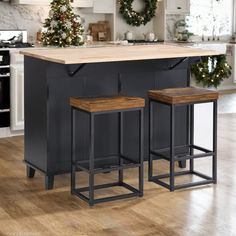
column 76, row 165
column 158, row 154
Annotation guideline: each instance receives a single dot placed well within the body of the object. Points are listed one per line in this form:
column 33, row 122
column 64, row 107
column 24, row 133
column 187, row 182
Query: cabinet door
column 17, row 97
column 82, row 3
column 104, row 6
column 32, row 2
column 178, row 6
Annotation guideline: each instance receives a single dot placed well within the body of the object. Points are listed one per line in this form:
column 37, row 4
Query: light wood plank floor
column 27, row 209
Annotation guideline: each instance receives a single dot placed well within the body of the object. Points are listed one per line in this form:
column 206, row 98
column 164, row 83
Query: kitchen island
column 54, row 75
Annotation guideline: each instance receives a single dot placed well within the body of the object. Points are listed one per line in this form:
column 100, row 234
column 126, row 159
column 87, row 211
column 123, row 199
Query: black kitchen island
column 54, row 75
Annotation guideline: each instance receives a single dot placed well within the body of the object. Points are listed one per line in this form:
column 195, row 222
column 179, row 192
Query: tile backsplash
column 22, row 17
column 31, row 18
column 170, row 25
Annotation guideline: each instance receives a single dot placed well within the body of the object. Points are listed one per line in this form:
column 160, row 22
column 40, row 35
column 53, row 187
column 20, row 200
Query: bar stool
column 173, row 98
column 95, row 107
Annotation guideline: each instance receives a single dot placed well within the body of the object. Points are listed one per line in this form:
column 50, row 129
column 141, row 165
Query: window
column 210, row 17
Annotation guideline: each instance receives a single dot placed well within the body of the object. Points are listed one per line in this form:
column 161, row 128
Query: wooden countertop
column 112, row 54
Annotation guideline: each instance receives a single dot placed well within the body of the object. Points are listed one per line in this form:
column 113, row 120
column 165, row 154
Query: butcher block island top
column 112, row 54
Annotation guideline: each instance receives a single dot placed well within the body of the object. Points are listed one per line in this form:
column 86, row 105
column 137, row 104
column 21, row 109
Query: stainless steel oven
column 4, row 88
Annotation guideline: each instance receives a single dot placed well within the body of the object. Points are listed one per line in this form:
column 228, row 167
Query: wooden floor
column 27, row 209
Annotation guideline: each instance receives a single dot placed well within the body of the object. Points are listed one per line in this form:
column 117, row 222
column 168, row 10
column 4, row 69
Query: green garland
column 137, row 18
column 211, row 71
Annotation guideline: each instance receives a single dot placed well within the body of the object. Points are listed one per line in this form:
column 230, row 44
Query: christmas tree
column 63, row 26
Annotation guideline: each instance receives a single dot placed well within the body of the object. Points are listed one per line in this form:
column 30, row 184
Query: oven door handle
column 6, row 75
column 4, row 66
column 4, row 110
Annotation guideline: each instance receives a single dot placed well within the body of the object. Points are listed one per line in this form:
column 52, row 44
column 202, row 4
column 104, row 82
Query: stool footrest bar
column 168, row 175
column 195, row 184
column 84, row 165
column 96, row 187
column 182, row 157
column 207, row 180
column 202, row 175
column 188, row 157
column 201, row 148
column 114, row 198
column 134, row 192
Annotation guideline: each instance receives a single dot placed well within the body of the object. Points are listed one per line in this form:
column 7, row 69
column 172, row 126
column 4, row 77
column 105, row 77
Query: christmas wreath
column 138, row 18
column 212, row 70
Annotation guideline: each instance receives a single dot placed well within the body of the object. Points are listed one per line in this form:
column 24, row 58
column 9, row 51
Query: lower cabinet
column 17, row 97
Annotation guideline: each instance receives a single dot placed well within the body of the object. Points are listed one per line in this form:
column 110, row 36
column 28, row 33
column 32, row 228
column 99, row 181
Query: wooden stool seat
column 183, row 95
column 101, row 104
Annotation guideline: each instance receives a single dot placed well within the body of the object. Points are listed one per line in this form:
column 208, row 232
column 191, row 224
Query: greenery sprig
column 211, row 71
column 138, row 18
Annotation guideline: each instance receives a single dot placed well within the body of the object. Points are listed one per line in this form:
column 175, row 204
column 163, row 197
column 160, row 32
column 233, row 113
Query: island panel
column 48, row 88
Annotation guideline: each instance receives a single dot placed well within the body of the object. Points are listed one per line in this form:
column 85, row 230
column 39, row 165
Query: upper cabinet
column 31, row 2
column 177, row 6
column 98, row 6
column 82, row 3
column 103, row 6
column 93, row 6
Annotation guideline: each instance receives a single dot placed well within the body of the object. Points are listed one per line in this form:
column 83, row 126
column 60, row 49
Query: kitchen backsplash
column 32, row 17
column 22, row 17
column 170, row 26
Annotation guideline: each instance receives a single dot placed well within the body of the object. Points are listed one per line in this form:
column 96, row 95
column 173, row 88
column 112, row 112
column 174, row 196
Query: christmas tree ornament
column 63, row 26
column 63, row 8
column 63, row 35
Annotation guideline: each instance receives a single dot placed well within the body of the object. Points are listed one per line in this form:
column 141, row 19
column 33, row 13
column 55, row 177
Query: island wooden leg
column 49, row 182
column 30, row 172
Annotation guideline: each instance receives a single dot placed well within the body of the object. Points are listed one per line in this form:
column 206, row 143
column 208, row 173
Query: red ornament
column 62, row 17
column 75, row 24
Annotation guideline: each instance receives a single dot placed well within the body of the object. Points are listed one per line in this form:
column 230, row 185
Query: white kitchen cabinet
column 17, row 94
column 103, row 6
column 31, row 2
column 82, row 3
column 177, row 6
